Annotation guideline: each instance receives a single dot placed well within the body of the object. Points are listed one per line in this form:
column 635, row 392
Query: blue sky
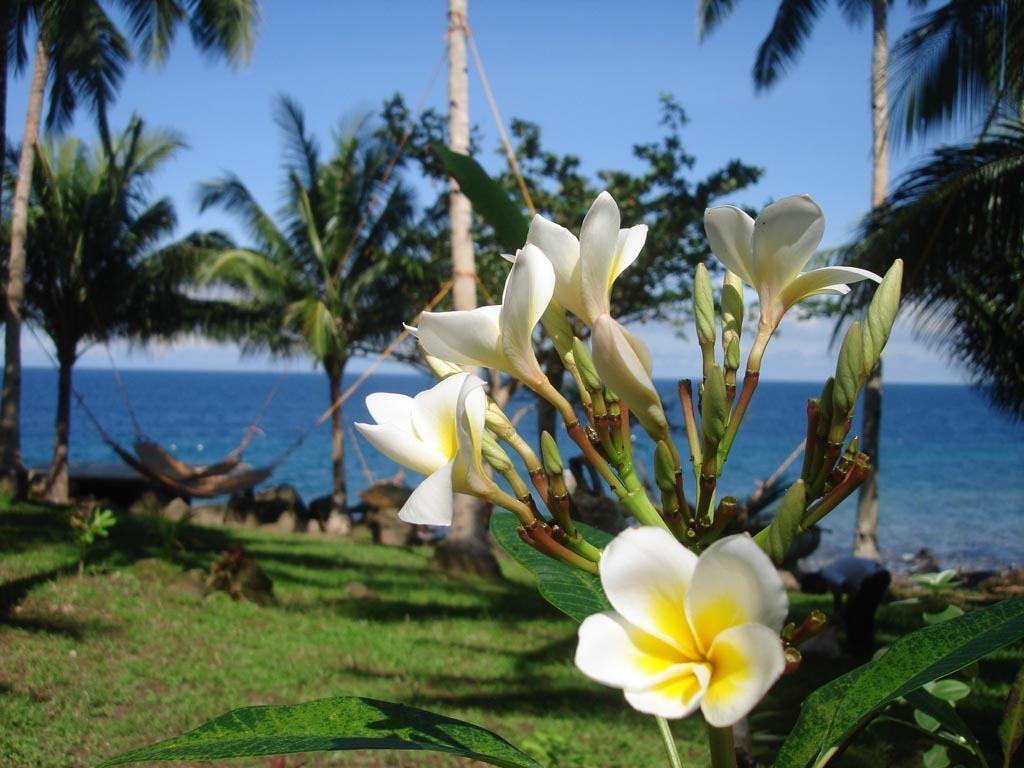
column 589, row 73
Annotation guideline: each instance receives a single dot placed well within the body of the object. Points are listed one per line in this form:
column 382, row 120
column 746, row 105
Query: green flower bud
column 664, row 468
column 825, row 404
column 496, row 420
column 704, row 306
column 549, row 454
column 442, row 369
column 777, row 537
column 585, row 365
column 881, row 315
column 732, row 353
column 714, row 413
column 556, row 325
column 848, row 378
column 494, row 455
column 732, row 305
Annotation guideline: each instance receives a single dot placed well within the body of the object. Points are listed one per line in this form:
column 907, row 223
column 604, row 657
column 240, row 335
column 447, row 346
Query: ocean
column 952, row 467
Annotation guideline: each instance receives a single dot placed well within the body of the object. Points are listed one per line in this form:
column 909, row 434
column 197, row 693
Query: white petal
column 562, row 249
column 826, row 278
column 745, row 663
column 390, row 408
column 676, row 695
column 527, row 294
column 640, row 348
column 464, row 337
column 614, row 652
column 619, row 366
column 645, row 573
column 731, row 232
column 599, row 239
column 627, row 248
column 433, row 414
column 786, row 234
column 403, row 447
column 431, row 502
column 734, row 583
column 470, row 416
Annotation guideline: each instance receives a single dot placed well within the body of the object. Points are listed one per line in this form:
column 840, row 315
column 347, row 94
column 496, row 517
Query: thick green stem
column 722, row 747
column 670, row 743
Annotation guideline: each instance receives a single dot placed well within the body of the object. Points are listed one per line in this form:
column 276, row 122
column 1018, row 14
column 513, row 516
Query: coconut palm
column 81, row 52
column 956, row 217
column 330, row 288
column 100, row 262
column 794, row 22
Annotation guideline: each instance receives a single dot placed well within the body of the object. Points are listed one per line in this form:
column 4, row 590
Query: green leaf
column 847, row 379
column 834, row 712
column 947, row 613
column 926, row 721
column 777, row 537
column 1011, row 729
column 949, row 690
column 489, row 200
column 575, row 593
column 936, row 757
column 941, row 713
column 326, row 725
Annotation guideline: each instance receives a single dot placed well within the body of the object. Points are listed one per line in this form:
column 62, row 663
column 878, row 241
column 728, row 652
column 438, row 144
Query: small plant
column 236, row 573
column 89, row 524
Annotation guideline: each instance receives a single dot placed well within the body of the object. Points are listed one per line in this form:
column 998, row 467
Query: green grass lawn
column 134, row 651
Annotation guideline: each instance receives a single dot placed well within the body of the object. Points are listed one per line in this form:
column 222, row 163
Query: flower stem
column 670, row 743
column 722, row 747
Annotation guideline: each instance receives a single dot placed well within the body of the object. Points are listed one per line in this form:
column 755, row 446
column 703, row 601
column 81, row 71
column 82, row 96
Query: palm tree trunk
column 467, row 546
column 10, row 399
column 337, row 520
column 57, row 480
column 865, row 543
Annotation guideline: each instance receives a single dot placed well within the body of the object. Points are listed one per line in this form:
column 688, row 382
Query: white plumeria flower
column 585, row 269
column 624, row 364
column 686, row 632
column 769, row 253
column 438, row 433
column 498, row 337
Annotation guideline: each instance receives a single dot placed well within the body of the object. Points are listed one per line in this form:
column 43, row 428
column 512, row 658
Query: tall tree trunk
column 337, row 521
column 865, row 542
column 467, row 546
column 57, row 479
column 6, row 28
column 11, row 470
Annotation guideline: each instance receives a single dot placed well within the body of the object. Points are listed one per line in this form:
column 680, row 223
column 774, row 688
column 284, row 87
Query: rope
column 390, row 167
column 120, row 383
column 367, row 472
column 509, row 151
column 385, row 353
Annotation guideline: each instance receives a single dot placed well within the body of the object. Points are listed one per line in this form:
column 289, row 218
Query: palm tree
column 98, row 265
column 82, row 53
column 956, row 217
column 794, row 22
column 328, row 286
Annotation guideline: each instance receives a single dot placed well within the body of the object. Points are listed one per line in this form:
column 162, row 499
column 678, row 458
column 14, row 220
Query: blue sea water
column 952, row 467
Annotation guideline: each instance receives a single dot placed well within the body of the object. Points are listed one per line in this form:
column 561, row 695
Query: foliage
column 90, row 524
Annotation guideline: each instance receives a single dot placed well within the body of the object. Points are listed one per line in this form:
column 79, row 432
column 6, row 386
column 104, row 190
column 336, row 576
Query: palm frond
column 711, row 13
column 784, row 43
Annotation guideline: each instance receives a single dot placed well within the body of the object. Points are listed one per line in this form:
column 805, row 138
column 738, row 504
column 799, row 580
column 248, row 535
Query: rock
column 288, row 522
column 177, row 510
column 236, row 573
column 270, row 503
column 320, row 509
column 789, row 581
column 599, row 511
column 240, row 507
column 209, row 514
column 337, row 524
column 387, row 529
column 386, row 494
column 922, row 561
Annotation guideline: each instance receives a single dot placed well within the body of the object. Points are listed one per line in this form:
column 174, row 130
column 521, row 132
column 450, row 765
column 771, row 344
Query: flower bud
column 848, row 379
column 732, row 353
column 496, row 420
column 442, row 369
column 549, row 454
column 704, row 306
column 664, row 468
column 775, row 540
column 585, row 365
column 494, row 455
column 622, row 369
column 556, row 325
column 825, row 403
column 714, row 413
column 732, row 306
column 881, row 315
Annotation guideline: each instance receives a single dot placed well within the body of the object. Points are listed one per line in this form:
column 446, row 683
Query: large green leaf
column 341, row 723
column 1011, row 729
column 575, row 593
column 835, row 711
column 489, row 200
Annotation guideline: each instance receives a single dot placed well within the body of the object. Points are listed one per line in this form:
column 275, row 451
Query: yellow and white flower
column 769, row 252
column 686, row 632
column 498, row 337
column 438, row 433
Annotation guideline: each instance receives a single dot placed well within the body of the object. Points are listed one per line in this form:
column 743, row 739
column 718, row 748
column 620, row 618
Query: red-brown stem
column 857, row 474
column 540, row 537
column 684, row 508
column 690, row 420
column 597, row 461
column 627, row 438
column 813, row 418
column 746, row 394
column 539, row 479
